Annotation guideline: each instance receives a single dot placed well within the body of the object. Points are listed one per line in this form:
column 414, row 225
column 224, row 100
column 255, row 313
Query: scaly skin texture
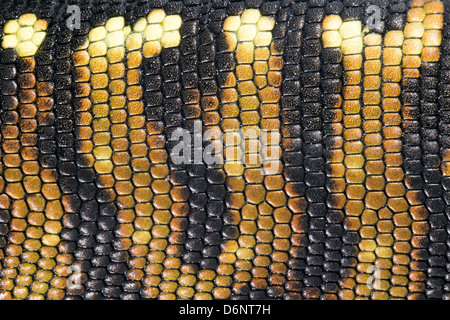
column 330, row 135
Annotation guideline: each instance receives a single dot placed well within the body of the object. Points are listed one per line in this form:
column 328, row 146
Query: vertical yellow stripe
column 161, row 271
column 31, row 193
column 371, row 160
column 255, row 199
column 347, row 161
column 374, row 166
column 137, row 157
column 124, row 149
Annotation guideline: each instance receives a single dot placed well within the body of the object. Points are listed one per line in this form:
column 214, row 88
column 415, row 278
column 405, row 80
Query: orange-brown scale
column 106, row 124
column 251, row 178
column 34, row 196
column 129, row 155
column 54, row 209
column 274, row 182
column 244, row 159
column 136, row 167
column 125, row 125
column 229, row 122
column 189, row 282
column 163, row 260
column 373, row 154
column 392, row 145
column 114, row 136
column 352, row 134
column 160, row 282
column 345, row 167
column 179, row 278
column 394, row 256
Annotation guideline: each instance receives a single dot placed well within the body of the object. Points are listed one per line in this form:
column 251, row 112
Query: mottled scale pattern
column 316, row 166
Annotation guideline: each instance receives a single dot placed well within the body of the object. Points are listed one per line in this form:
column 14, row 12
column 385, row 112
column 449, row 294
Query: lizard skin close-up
column 196, row 149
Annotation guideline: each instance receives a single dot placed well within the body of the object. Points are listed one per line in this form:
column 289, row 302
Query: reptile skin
column 329, row 121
